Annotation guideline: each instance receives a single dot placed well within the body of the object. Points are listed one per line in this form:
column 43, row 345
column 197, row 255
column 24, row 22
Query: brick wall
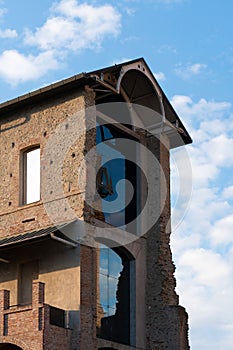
column 29, row 326
column 34, row 125
column 165, row 322
column 88, row 311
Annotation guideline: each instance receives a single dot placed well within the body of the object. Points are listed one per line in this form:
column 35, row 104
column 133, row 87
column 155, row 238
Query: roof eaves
column 52, row 89
column 47, row 90
column 38, row 234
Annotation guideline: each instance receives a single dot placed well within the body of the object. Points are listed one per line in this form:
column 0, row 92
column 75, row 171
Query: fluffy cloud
column 8, row 33
column 210, row 155
column 71, row 27
column 206, row 276
column 76, row 26
column 228, row 192
column 188, row 71
column 209, row 113
column 202, row 242
column 17, row 68
column 208, row 122
column 206, row 267
column 202, row 109
column 221, row 233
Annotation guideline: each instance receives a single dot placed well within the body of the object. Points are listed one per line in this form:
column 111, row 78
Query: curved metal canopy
column 137, row 85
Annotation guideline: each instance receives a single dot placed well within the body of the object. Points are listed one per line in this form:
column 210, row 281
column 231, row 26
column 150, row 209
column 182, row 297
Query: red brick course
column 29, row 326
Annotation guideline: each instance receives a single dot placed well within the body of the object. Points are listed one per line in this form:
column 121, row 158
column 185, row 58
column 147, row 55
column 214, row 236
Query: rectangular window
column 31, row 176
column 118, row 177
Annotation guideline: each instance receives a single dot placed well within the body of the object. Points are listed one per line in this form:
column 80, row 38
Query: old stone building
column 85, row 261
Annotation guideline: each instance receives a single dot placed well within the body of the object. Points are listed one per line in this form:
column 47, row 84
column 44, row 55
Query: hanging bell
column 104, row 183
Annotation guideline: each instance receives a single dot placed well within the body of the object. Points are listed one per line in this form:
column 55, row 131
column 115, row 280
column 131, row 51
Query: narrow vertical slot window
column 31, row 175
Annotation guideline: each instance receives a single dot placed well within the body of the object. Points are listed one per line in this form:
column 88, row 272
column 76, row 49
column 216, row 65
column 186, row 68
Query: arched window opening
column 116, row 299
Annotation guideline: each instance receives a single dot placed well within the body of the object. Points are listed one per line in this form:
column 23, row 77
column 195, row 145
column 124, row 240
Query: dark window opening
column 118, row 177
column 57, row 316
column 116, row 297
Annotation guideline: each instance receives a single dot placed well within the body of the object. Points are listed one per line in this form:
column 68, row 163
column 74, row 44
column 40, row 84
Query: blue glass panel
column 103, row 285
column 112, row 289
column 110, row 267
column 115, row 264
column 104, row 261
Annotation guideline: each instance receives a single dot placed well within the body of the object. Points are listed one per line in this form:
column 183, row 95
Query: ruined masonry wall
column 166, row 321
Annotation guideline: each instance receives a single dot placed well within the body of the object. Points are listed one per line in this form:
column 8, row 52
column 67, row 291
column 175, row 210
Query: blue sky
column 188, row 46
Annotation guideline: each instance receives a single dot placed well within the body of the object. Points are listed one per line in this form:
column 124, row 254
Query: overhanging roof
column 34, row 236
column 133, row 79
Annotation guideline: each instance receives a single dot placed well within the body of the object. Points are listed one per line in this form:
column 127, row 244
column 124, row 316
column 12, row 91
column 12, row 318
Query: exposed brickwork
column 160, row 322
column 88, row 299
column 34, row 126
column 29, row 326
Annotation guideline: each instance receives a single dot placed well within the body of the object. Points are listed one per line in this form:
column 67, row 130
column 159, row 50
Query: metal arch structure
column 142, row 68
column 134, row 83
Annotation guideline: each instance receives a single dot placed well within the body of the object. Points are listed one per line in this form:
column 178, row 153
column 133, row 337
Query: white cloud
column 202, row 243
column 207, row 111
column 3, row 11
column 228, row 192
column 16, row 68
column 8, row 33
column 219, row 150
column 208, row 122
column 76, row 27
column 188, row 71
column 222, row 231
column 160, row 76
column 72, row 26
column 206, row 280
column 206, row 267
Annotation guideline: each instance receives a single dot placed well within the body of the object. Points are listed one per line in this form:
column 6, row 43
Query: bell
column 104, row 183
